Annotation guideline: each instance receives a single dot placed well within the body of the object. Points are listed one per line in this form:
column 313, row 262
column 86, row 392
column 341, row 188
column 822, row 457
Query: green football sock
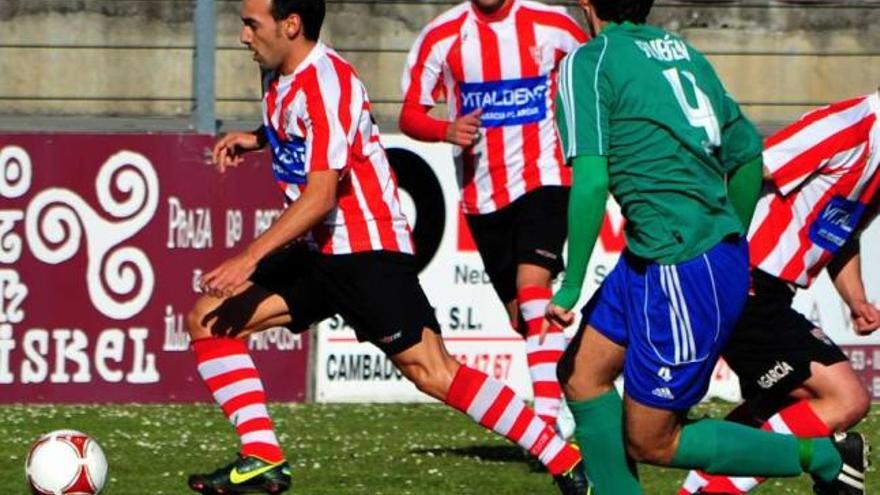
column 722, row 447
column 821, row 458
column 599, row 433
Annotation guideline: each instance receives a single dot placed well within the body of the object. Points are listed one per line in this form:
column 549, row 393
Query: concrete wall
column 134, row 57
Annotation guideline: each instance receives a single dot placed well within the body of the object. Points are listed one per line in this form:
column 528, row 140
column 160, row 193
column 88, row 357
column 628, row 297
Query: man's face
column 488, row 5
column 262, row 34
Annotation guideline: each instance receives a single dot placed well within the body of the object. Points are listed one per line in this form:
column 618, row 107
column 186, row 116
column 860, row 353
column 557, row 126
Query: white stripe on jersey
column 362, row 201
column 596, row 91
column 341, row 242
column 566, row 77
column 513, row 135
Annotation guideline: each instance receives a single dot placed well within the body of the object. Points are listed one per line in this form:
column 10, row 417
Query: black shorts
column 376, row 292
column 772, row 346
column 531, row 230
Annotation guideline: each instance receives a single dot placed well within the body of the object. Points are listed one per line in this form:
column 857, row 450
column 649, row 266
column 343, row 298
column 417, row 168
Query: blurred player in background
column 644, row 115
column 821, row 192
column 341, row 246
column 495, row 63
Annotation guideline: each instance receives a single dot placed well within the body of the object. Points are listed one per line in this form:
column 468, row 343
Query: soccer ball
column 66, row 462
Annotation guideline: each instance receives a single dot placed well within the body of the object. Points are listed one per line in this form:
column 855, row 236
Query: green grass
column 334, row 449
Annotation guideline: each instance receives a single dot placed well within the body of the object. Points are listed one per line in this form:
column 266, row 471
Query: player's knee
column 650, row 450
column 431, row 380
column 856, row 407
column 195, row 323
column 578, row 386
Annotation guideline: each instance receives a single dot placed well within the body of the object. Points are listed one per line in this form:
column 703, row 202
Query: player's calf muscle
column 428, row 366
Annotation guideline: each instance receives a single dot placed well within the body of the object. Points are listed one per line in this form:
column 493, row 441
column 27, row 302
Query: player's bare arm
column 317, row 200
column 846, row 272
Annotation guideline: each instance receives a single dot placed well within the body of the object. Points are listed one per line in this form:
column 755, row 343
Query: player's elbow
column 590, row 185
column 321, row 193
column 598, row 185
column 588, row 190
column 327, row 203
column 405, row 121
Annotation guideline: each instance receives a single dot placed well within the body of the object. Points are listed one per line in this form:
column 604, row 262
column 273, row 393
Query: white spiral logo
column 120, row 279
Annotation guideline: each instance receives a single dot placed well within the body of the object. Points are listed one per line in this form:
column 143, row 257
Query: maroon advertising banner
column 102, row 240
column 865, row 360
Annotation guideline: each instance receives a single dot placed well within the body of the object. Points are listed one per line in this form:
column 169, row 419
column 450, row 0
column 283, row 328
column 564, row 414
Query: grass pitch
column 334, row 449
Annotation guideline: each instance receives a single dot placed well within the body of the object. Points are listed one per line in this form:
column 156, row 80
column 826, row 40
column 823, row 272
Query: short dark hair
column 310, row 11
column 635, row 11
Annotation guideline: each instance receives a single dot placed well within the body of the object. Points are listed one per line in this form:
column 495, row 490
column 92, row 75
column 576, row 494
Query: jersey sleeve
column 421, row 81
column 584, row 101
column 329, row 124
column 569, row 35
column 833, row 145
column 740, row 140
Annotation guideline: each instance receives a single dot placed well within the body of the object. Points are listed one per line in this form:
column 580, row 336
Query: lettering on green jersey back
column 667, row 49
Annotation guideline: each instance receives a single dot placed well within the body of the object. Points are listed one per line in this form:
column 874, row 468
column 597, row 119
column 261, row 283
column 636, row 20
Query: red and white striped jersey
column 825, row 176
column 508, row 68
column 318, row 118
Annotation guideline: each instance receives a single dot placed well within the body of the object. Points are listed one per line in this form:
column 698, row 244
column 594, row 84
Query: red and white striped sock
column 542, row 358
column 496, row 407
column 798, row 419
column 229, row 372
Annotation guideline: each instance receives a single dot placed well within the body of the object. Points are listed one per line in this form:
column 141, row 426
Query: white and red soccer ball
column 66, row 462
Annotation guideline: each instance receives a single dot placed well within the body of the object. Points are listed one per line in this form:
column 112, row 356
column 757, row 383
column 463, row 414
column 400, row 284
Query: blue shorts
column 672, row 319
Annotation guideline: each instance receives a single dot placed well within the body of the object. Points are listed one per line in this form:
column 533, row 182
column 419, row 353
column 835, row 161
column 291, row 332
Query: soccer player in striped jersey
column 643, row 115
column 495, row 63
column 341, row 238
column 822, row 177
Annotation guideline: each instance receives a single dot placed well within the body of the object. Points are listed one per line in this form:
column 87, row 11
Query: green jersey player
column 644, row 116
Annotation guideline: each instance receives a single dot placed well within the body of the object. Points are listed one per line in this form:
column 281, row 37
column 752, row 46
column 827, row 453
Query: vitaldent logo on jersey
column 288, row 158
column 508, row 102
column 836, row 223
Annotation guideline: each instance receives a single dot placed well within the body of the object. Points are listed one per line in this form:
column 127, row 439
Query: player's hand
column 465, row 130
column 229, row 149
column 865, row 317
column 555, row 315
column 222, row 281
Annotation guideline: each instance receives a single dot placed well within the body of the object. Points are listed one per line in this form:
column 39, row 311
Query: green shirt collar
column 613, row 25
